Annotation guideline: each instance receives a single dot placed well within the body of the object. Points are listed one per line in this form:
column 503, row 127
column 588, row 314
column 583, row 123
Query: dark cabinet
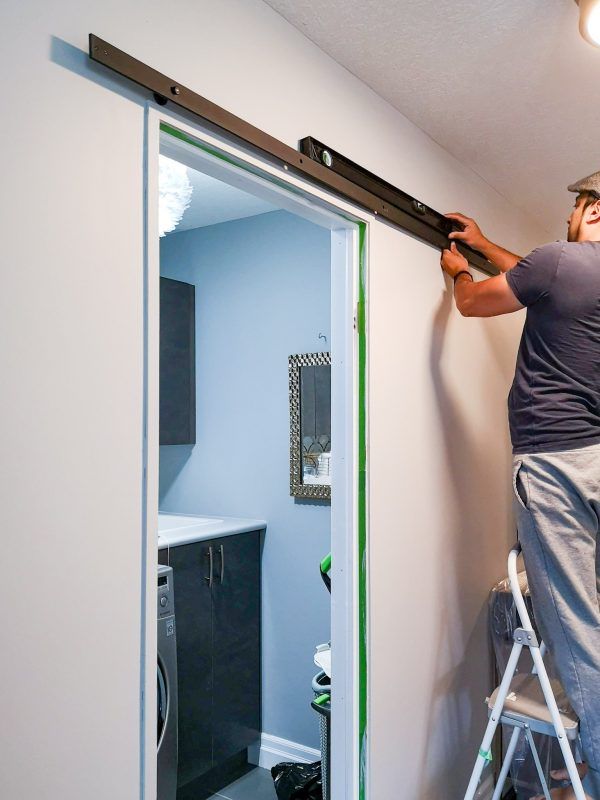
column 218, row 651
column 236, row 645
column 177, row 362
column 193, row 617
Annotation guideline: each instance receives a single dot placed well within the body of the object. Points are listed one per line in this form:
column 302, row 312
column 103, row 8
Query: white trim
column 271, row 750
column 344, row 530
column 151, row 437
column 340, row 217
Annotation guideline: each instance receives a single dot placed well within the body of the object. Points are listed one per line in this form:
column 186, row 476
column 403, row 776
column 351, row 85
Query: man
column 554, row 415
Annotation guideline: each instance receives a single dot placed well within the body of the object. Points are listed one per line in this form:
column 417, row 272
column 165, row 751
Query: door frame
column 349, row 228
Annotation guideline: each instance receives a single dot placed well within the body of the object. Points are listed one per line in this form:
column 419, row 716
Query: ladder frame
column 537, row 650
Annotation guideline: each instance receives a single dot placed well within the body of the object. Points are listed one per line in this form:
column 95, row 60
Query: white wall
column 71, row 359
column 440, row 519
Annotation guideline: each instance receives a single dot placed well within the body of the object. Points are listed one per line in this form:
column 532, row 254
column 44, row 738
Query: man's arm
column 488, row 298
column 471, row 234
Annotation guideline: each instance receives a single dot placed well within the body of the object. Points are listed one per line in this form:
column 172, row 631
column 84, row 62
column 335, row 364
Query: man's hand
column 487, row 298
column 453, row 262
column 471, row 233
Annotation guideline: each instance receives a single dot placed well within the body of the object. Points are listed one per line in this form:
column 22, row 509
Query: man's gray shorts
column 557, row 502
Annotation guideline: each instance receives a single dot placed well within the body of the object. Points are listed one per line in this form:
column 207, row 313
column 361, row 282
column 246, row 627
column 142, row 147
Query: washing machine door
column 162, row 703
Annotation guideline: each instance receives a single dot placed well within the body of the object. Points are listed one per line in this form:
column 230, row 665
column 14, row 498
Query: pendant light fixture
column 589, row 20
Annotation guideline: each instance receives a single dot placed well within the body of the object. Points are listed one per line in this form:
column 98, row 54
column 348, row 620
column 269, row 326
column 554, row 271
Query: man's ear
column 593, row 213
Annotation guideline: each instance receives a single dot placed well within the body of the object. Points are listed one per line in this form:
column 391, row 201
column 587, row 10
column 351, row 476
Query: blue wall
column 263, row 293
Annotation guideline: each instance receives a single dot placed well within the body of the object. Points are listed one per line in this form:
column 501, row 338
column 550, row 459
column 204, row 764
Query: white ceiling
column 214, row 201
column 507, row 86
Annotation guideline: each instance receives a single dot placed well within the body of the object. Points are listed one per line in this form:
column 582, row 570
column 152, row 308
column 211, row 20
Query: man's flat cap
column 589, row 184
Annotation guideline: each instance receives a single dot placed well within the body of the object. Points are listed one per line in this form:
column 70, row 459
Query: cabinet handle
column 222, row 550
column 210, row 557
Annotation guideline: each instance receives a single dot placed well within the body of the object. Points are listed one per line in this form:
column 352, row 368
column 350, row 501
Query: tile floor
column 256, row 785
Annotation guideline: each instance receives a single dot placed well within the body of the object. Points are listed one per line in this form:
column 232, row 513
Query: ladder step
column 525, row 705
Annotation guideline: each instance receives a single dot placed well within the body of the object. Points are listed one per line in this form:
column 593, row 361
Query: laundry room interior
column 245, row 366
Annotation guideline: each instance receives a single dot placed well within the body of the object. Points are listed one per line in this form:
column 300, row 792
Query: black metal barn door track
column 315, row 161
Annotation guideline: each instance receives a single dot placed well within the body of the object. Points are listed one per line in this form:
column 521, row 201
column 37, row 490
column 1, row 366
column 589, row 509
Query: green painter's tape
column 362, row 439
column 362, row 514
column 487, row 756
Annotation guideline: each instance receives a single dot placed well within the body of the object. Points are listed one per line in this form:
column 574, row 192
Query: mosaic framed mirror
column 310, row 425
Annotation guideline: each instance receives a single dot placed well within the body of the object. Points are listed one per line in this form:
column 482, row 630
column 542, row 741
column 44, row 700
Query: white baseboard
column 271, row 750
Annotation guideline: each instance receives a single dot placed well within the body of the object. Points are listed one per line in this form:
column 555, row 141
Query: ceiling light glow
column 593, row 24
column 174, row 194
column 589, row 20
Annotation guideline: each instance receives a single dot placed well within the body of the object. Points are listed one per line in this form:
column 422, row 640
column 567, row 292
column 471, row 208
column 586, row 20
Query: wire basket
column 322, row 705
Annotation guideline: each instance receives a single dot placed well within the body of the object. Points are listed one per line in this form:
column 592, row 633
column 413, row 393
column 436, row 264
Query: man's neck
column 588, row 235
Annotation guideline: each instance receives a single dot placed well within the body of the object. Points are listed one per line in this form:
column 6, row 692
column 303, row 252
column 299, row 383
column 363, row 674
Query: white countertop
column 174, row 529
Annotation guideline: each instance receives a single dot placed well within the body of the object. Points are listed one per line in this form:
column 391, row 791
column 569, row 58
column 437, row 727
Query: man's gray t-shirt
column 554, row 403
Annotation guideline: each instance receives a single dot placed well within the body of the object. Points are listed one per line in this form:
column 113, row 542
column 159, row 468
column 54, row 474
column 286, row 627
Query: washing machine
column 167, row 687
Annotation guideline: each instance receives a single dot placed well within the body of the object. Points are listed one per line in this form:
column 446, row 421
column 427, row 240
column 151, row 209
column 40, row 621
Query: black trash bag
column 298, row 781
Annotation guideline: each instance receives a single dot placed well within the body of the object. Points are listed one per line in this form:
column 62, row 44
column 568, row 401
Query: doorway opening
column 255, row 415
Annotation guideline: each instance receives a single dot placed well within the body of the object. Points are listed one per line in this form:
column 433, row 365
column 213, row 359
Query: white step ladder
column 527, row 702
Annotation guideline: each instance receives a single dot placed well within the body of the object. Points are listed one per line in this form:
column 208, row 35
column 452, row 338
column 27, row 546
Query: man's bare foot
column 561, row 794
column 563, row 775
column 567, row 792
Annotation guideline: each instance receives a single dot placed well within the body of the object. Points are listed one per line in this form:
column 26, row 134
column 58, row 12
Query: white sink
column 173, row 522
column 174, row 529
